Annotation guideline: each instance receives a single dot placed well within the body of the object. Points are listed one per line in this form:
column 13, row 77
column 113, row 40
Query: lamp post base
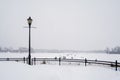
column 29, row 60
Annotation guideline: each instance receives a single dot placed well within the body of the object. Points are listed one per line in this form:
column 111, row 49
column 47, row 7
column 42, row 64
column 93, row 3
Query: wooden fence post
column 34, row 61
column 59, row 61
column 24, row 59
column 85, row 61
column 116, row 65
column 31, row 61
column 7, row 59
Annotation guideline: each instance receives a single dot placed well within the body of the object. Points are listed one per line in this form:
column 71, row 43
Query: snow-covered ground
column 20, row 71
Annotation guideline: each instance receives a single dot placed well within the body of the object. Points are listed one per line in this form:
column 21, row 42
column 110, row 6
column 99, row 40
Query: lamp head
column 29, row 21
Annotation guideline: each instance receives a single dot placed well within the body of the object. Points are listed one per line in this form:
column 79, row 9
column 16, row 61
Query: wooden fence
column 85, row 61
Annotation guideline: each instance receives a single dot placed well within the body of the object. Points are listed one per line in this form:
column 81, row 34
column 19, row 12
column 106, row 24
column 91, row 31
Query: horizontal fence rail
column 11, row 59
column 60, row 60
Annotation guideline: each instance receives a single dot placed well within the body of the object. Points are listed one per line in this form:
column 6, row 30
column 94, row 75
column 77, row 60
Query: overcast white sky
column 61, row 24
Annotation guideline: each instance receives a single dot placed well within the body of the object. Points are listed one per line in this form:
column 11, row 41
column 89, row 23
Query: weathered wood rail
column 85, row 61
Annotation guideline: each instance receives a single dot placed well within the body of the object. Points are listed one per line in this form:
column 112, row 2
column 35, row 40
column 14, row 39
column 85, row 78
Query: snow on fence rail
column 60, row 60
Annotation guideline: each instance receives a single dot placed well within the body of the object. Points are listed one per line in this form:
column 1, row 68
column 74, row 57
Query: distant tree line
column 13, row 50
column 24, row 50
column 115, row 50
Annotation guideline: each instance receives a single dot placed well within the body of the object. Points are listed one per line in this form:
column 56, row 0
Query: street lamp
column 29, row 55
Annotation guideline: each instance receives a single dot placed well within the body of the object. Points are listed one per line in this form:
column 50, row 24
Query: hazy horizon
column 61, row 24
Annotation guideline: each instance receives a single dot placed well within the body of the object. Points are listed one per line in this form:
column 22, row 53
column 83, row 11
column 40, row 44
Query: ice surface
column 92, row 56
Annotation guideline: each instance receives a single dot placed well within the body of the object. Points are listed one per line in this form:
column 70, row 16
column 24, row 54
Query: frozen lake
column 91, row 56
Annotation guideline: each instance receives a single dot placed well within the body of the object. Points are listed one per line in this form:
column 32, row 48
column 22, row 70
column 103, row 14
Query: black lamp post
column 29, row 55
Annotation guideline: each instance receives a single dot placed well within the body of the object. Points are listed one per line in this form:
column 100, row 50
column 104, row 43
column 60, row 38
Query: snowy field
column 20, row 71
